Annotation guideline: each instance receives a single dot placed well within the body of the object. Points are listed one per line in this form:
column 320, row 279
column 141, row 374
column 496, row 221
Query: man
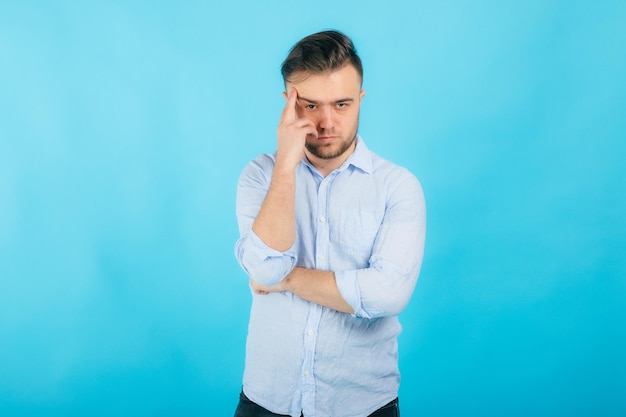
column 332, row 238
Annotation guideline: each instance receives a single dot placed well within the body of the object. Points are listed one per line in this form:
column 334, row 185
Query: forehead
column 345, row 82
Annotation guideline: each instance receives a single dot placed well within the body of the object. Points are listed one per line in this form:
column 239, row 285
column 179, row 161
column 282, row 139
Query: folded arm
column 385, row 287
column 316, row 286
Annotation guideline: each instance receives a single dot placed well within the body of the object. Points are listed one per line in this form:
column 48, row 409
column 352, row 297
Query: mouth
column 326, row 138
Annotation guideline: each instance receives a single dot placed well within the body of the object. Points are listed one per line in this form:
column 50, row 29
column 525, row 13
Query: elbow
column 394, row 304
column 265, row 268
column 386, row 305
column 268, row 271
column 390, row 296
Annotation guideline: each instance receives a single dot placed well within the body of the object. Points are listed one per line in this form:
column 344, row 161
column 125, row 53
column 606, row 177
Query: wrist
column 285, row 169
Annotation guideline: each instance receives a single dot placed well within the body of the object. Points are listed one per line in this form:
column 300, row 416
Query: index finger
column 289, row 112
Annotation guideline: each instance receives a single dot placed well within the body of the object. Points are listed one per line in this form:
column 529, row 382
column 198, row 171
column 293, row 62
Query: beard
column 330, row 150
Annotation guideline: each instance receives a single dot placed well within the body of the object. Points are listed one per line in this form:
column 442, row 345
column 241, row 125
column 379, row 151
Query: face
column 332, row 101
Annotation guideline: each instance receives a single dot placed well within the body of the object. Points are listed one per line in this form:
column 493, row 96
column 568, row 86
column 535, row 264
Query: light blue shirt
column 366, row 222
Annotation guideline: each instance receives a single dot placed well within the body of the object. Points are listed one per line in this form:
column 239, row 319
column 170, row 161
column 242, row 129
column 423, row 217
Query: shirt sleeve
column 385, row 287
column 265, row 265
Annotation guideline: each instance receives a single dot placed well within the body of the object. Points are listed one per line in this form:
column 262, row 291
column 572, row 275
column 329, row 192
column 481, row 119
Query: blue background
column 123, row 129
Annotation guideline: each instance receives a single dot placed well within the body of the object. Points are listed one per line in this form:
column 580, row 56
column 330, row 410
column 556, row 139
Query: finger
column 289, row 112
column 309, row 127
column 257, row 288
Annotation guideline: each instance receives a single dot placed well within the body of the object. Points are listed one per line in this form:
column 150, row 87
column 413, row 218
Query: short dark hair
column 330, row 50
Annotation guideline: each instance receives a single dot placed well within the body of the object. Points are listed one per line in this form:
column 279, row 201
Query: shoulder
column 263, row 161
column 393, row 175
column 401, row 188
column 258, row 170
column 381, row 168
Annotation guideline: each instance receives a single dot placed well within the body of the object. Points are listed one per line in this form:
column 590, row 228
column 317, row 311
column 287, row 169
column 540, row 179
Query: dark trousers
column 247, row 408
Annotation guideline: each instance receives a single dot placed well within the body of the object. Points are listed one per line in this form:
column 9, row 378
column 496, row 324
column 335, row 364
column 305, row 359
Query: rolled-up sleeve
column 385, row 287
column 265, row 265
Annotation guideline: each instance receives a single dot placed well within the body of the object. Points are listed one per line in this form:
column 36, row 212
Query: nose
column 326, row 118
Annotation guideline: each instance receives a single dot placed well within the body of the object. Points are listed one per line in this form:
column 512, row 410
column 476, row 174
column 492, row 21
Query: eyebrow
column 343, row 100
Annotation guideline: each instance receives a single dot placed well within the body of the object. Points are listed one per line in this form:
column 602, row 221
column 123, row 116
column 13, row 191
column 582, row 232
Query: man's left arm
column 314, row 285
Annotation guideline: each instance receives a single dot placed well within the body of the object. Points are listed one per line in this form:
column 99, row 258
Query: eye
column 342, row 105
column 310, row 107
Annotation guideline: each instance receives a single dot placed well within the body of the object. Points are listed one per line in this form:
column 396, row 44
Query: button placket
column 322, row 243
column 322, row 236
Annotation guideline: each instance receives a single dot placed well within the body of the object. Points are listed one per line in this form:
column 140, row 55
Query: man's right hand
column 292, row 132
column 276, row 222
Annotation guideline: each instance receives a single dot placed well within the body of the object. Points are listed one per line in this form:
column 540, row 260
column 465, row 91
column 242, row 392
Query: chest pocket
column 353, row 234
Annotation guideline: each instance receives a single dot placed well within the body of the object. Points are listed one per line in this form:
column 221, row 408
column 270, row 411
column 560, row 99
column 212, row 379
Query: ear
column 285, row 95
column 362, row 94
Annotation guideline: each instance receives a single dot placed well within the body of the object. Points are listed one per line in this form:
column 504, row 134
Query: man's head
column 325, row 73
column 321, row 52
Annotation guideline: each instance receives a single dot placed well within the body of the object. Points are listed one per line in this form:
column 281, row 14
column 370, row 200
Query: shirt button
column 310, row 332
column 322, row 257
column 306, row 373
column 323, row 219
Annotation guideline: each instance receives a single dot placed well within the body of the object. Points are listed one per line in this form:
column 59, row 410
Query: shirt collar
column 361, row 158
